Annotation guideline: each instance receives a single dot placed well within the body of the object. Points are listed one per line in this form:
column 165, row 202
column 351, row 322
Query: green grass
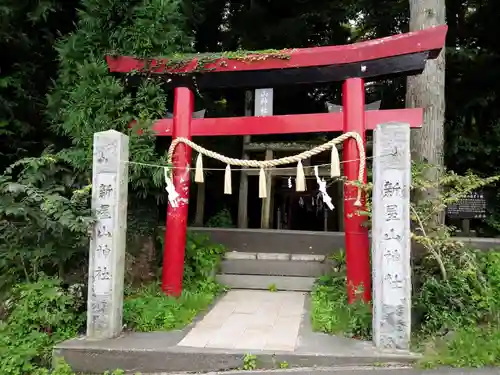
column 332, row 314
column 466, row 347
column 148, row 309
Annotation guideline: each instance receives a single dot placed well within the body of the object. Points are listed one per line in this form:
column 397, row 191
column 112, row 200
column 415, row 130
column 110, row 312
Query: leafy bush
column 456, row 321
column 469, row 346
column 456, row 290
column 42, row 313
column 39, row 314
column 330, row 311
column 459, row 318
column 44, row 220
column 332, row 314
column 469, row 297
column 221, row 219
column 201, row 258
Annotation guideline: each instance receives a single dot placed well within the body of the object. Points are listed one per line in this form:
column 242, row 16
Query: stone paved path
column 250, row 319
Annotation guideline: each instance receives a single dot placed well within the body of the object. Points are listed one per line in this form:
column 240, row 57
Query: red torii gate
column 400, row 54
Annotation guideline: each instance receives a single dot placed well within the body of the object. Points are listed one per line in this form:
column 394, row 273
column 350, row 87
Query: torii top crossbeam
column 402, row 54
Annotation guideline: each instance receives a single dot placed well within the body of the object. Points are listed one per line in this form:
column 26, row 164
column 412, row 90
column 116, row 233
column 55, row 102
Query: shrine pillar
column 177, row 217
column 357, row 245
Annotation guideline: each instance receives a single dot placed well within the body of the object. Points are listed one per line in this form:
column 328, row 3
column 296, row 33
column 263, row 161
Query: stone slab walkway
column 250, row 319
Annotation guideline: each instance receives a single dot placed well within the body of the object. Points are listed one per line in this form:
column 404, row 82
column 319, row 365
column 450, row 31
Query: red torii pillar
column 405, row 53
column 357, row 244
column 177, row 217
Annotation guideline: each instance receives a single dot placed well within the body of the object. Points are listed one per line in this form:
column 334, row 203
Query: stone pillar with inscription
column 391, row 244
column 107, row 244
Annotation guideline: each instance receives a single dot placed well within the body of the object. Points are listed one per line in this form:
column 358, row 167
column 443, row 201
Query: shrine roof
column 399, row 54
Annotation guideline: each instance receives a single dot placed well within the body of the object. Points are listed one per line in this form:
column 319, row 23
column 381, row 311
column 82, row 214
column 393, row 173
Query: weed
column 332, row 314
column 249, row 362
column 284, row 365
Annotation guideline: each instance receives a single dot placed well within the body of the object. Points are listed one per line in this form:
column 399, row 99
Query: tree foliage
column 87, row 99
column 28, row 31
column 45, row 213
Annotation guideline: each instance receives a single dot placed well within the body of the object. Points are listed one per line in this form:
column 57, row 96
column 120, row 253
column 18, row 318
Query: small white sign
column 263, row 102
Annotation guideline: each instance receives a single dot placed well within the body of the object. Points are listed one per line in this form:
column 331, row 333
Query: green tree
column 427, row 90
column 87, row 99
column 28, row 30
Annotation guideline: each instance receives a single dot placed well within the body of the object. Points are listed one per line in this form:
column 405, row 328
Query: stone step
column 266, row 282
column 274, row 267
column 157, row 352
column 275, row 264
column 243, row 255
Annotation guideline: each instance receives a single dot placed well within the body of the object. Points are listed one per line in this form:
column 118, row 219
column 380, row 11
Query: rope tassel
column 198, row 175
column 262, row 184
column 227, row 181
column 300, row 180
column 334, row 163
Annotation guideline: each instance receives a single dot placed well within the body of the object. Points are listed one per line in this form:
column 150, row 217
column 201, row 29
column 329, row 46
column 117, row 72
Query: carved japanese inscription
column 107, row 246
column 106, row 152
column 103, row 211
column 106, row 187
column 103, row 238
column 391, row 236
column 263, row 102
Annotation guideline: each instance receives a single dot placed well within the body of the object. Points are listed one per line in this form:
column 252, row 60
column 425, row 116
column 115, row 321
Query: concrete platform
column 274, row 326
column 305, row 242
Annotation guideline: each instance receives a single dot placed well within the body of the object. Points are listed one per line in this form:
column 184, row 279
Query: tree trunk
column 427, row 91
